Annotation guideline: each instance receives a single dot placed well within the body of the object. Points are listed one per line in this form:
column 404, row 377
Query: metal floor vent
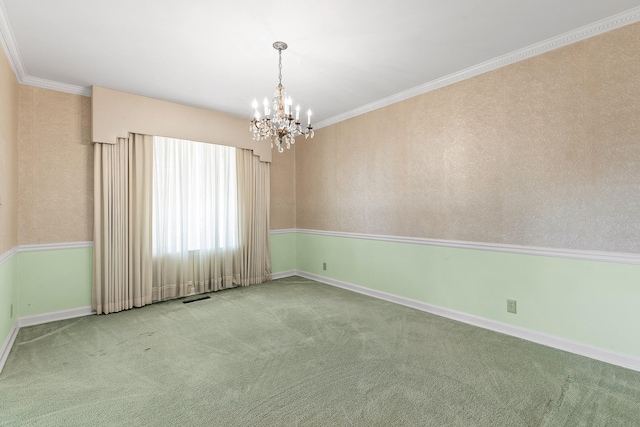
column 200, row 298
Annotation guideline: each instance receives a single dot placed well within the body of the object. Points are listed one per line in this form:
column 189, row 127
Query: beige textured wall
column 8, row 156
column 544, row 152
column 283, row 187
column 55, row 167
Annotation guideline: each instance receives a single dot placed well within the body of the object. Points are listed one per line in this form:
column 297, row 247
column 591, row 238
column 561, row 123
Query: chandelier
column 278, row 122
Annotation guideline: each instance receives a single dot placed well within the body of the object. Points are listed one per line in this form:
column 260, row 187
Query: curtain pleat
column 122, row 272
column 253, row 218
column 195, row 218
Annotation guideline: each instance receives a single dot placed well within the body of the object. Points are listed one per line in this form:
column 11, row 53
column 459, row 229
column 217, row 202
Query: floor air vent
column 200, row 298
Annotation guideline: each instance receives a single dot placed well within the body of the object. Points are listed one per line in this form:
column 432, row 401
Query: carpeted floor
column 296, row 352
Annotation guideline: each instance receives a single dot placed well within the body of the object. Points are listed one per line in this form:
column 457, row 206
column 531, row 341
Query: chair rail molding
column 617, row 257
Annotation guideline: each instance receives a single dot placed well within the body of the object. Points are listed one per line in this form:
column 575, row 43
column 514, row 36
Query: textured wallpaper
column 56, row 170
column 283, row 203
column 544, row 152
column 8, row 156
column 55, row 167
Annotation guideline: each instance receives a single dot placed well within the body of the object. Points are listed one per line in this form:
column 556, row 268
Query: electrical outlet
column 512, row 306
column 324, row 266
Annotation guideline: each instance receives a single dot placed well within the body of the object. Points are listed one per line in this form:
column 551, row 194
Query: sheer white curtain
column 195, row 218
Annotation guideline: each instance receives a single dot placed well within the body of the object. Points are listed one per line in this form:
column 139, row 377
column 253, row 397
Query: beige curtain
column 123, row 272
column 177, row 274
column 253, row 217
column 122, row 262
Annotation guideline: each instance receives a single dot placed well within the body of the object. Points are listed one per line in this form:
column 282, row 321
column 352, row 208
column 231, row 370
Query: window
column 194, row 197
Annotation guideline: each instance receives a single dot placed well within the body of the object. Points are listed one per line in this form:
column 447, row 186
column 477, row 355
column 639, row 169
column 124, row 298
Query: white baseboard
column 596, row 353
column 54, row 316
column 38, row 319
column 283, row 274
column 8, row 343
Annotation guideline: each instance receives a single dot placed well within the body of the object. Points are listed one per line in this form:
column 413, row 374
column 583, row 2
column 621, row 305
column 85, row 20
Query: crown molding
column 9, row 45
column 579, row 34
column 8, row 41
column 53, row 85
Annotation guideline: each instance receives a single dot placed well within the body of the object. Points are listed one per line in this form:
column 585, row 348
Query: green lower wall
column 283, row 252
column 54, row 280
column 8, row 296
column 595, row 303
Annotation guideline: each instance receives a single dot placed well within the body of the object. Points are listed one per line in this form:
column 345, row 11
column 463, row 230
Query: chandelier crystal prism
column 278, row 122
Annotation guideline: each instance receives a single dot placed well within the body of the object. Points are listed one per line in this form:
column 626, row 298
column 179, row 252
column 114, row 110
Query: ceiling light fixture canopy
column 279, row 123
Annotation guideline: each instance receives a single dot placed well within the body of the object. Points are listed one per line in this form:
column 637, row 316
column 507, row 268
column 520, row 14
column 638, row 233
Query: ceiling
column 345, row 57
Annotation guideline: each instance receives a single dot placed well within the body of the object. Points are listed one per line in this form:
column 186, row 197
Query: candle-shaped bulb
column 266, row 107
column 254, row 104
column 309, row 117
column 297, row 112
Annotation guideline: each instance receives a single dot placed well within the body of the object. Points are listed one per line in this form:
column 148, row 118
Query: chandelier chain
column 280, row 67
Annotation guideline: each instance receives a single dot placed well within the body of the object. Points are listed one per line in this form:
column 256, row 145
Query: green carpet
column 296, row 352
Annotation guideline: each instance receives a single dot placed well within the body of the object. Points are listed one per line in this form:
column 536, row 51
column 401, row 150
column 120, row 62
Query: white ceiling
column 344, row 57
